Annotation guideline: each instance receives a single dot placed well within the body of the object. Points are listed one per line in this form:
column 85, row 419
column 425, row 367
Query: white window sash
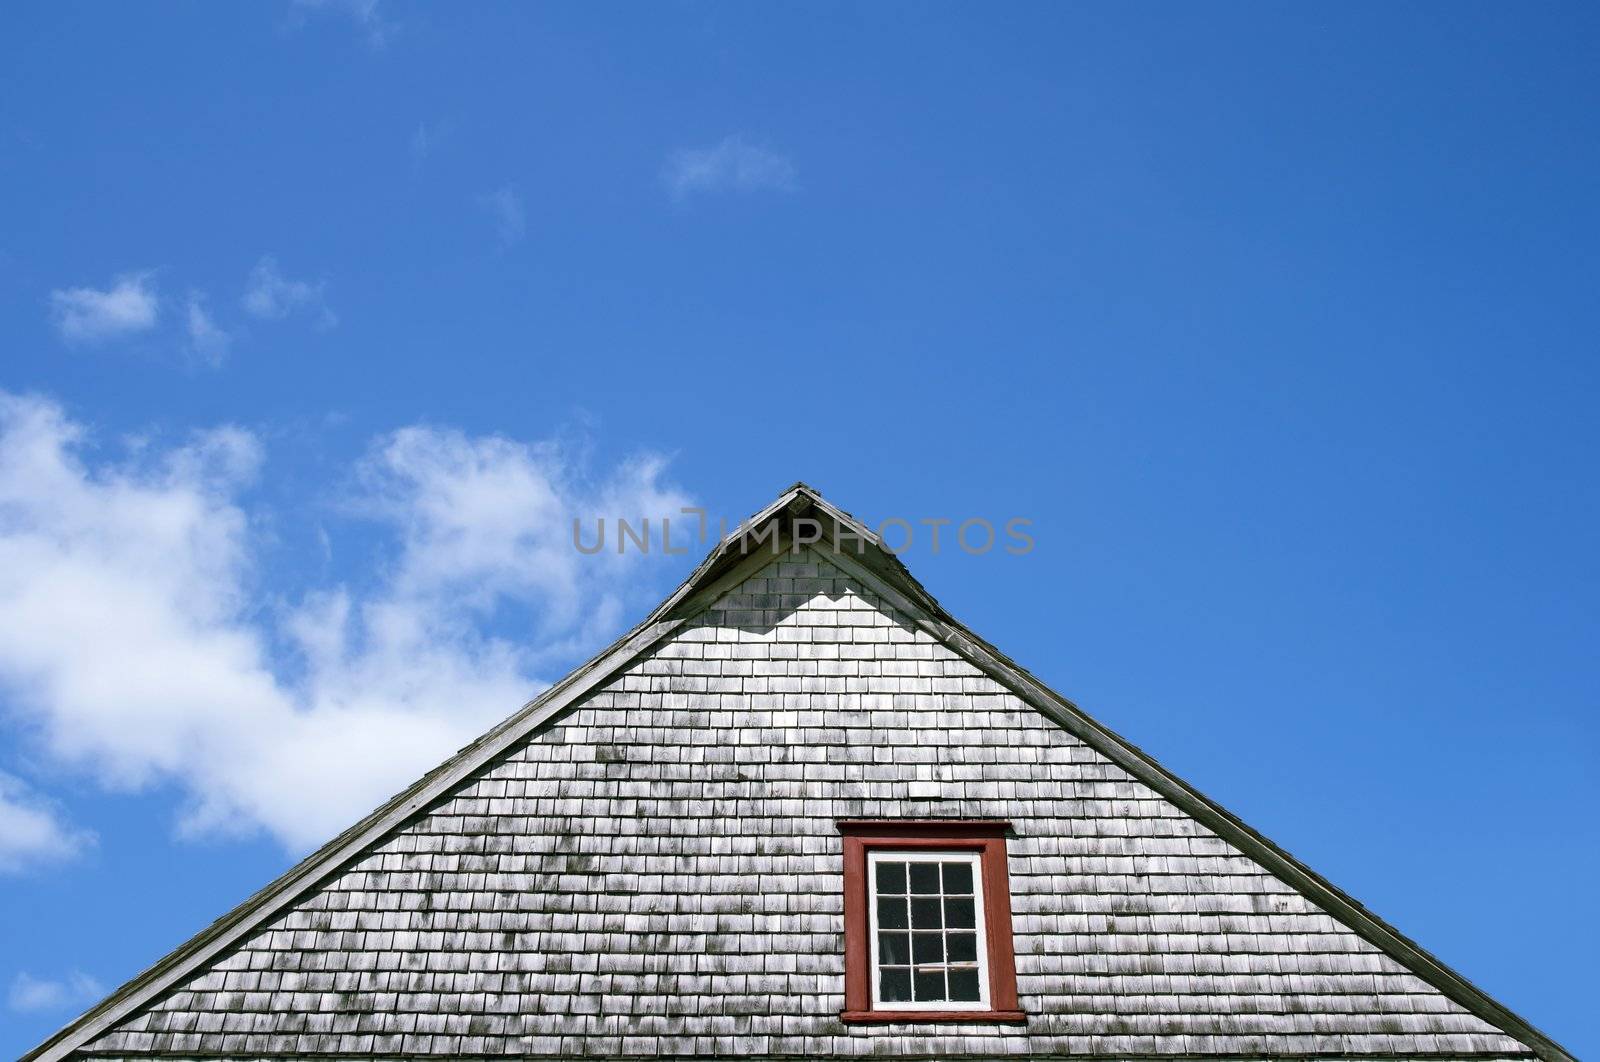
column 922, row 855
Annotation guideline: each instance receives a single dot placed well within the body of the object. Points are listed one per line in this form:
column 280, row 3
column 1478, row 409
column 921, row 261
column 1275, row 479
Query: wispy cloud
column 33, row 994
column 271, row 296
column 207, row 342
column 86, row 315
column 510, row 218
column 366, row 14
column 31, row 830
column 731, row 165
column 426, row 139
column 132, row 647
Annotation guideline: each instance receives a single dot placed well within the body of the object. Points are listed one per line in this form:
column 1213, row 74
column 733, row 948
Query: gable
column 655, row 871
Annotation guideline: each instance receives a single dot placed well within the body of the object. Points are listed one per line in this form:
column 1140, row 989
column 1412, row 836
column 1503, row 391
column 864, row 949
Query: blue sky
column 319, row 322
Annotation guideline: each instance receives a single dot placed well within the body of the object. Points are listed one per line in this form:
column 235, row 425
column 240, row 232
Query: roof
column 777, row 526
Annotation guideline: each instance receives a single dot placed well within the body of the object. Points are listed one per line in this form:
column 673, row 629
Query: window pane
column 959, row 914
column 891, row 877
column 957, row 878
column 924, row 913
column 894, row 949
column 930, row 984
column 894, row 985
column 927, row 947
column 963, row 947
column 892, row 912
column 925, row 878
column 964, row 985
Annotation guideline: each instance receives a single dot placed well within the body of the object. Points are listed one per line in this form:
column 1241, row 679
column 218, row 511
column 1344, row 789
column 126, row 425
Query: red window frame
column 987, row 837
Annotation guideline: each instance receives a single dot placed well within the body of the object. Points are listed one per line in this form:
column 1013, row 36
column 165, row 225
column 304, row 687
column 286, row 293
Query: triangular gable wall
column 655, row 871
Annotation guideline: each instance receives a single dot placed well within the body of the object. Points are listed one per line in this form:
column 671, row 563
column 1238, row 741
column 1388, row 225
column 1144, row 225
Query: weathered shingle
column 657, row 873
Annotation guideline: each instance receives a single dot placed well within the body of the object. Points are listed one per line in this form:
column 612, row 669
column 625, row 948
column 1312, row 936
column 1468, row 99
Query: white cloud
column 31, row 832
column 89, row 315
column 731, row 165
column 206, row 341
column 367, row 14
column 423, row 139
column 272, row 296
column 29, row 993
column 132, row 648
column 510, row 219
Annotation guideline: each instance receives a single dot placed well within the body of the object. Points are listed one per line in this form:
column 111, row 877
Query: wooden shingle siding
column 656, row 873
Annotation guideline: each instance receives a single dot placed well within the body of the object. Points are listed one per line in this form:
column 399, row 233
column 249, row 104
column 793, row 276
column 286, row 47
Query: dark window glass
column 925, row 878
column 963, row 947
column 894, row 949
column 894, row 985
column 927, row 947
column 892, row 912
column 924, row 914
column 957, row 879
column 964, row 984
column 930, row 985
column 891, row 877
column 959, row 914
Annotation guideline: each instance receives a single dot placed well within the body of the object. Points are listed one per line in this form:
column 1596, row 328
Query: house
column 800, row 812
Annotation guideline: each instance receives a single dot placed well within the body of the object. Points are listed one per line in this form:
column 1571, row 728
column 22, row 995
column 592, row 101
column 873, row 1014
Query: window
column 927, row 922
